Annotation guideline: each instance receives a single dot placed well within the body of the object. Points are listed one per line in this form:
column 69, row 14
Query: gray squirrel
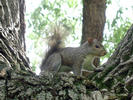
column 65, row 59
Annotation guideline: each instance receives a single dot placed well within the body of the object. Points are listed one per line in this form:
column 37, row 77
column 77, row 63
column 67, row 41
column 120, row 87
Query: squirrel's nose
column 104, row 53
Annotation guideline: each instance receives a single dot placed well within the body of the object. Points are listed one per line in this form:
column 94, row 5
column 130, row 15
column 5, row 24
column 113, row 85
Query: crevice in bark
column 6, row 88
column 22, row 23
column 7, row 15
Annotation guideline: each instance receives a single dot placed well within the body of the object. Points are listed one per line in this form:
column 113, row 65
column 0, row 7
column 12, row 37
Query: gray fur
column 69, row 59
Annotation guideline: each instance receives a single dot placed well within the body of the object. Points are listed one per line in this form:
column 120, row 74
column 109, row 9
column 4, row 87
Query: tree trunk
column 12, row 44
column 12, row 29
column 17, row 82
column 93, row 21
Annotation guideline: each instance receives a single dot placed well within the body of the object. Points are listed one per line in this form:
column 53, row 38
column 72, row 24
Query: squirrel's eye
column 97, row 46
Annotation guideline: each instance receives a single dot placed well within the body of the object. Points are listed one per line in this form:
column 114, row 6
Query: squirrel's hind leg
column 77, row 69
column 53, row 63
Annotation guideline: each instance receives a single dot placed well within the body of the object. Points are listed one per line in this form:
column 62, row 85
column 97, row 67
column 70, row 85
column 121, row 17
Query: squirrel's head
column 96, row 47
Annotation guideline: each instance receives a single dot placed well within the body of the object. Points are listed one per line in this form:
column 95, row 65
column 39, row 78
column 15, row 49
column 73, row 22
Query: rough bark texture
column 12, row 16
column 12, row 28
column 27, row 86
column 12, row 54
column 17, row 82
column 93, row 21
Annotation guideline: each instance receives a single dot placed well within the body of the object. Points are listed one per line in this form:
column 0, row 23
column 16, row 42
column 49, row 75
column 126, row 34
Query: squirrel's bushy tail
column 58, row 35
column 55, row 41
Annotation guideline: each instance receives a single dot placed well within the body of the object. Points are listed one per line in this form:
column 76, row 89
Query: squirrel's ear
column 90, row 40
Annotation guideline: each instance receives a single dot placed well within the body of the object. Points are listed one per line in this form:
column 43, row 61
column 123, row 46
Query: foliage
column 108, row 2
column 51, row 12
column 116, row 29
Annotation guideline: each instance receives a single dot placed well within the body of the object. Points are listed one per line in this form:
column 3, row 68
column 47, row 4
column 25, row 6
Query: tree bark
column 12, row 29
column 18, row 82
column 93, row 21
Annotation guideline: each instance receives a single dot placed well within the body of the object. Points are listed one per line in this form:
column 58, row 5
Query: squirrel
column 65, row 59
